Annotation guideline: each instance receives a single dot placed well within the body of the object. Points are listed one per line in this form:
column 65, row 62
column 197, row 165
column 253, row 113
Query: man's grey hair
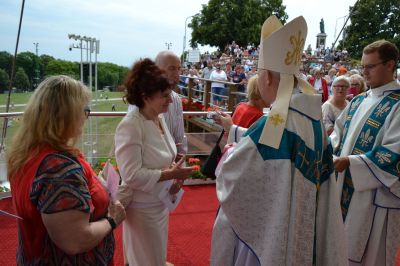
column 161, row 58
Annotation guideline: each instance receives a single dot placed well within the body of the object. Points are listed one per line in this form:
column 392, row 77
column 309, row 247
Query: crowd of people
column 239, row 64
column 289, row 194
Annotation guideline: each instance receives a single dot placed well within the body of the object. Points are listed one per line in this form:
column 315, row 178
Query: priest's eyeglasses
column 87, row 111
column 372, row 66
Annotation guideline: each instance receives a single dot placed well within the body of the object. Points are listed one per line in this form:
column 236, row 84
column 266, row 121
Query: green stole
column 365, row 140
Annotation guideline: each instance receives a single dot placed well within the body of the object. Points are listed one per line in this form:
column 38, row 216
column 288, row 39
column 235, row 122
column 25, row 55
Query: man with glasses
column 366, row 141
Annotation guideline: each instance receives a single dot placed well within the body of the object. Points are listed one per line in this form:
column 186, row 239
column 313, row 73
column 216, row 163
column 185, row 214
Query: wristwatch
column 111, row 222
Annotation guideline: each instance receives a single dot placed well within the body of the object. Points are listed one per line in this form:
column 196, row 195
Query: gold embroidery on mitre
column 276, row 119
column 295, row 56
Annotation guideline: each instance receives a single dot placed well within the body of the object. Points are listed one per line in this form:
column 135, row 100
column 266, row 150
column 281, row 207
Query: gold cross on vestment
column 315, row 166
column 276, row 119
column 303, row 156
column 317, row 162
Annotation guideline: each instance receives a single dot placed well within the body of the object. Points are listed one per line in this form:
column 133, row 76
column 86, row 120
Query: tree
column 44, row 61
column 62, row 67
column 4, row 80
column 372, row 20
column 109, row 74
column 28, row 61
column 6, row 61
column 223, row 21
column 21, row 81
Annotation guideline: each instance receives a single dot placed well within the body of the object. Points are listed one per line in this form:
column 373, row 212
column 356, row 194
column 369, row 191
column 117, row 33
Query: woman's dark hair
column 144, row 80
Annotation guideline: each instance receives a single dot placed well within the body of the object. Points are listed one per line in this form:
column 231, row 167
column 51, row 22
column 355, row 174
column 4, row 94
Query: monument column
column 321, row 37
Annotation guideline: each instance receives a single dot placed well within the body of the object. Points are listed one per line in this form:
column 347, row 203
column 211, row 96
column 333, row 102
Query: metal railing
column 96, row 140
column 205, row 94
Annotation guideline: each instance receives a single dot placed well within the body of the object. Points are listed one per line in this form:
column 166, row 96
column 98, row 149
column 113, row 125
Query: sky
column 132, row 29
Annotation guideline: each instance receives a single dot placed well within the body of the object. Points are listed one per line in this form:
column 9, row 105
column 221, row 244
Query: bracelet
column 111, row 222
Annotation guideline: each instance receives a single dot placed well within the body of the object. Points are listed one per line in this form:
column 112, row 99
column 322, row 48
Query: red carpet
column 189, row 230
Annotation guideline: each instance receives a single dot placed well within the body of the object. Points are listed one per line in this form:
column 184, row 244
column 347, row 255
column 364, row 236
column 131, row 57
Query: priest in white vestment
column 278, row 203
column 366, row 140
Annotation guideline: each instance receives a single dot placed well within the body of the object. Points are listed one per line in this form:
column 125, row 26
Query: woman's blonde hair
column 253, row 92
column 359, row 79
column 50, row 119
column 341, row 78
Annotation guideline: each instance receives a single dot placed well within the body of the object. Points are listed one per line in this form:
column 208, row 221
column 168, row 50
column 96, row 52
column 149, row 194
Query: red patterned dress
column 52, row 182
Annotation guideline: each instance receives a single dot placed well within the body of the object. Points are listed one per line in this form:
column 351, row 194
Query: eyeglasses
column 372, row 66
column 355, row 85
column 341, row 86
column 87, row 111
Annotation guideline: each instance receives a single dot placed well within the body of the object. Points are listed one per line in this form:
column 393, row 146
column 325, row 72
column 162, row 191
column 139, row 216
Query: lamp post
column 342, row 17
column 184, row 38
column 168, row 44
column 79, row 46
column 92, row 46
column 36, row 78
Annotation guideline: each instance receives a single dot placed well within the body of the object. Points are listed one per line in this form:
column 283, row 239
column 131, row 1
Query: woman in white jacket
column 146, row 155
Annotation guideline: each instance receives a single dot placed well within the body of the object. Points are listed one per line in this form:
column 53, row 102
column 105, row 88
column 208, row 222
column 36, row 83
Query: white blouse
column 141, row 153
column 329, row 114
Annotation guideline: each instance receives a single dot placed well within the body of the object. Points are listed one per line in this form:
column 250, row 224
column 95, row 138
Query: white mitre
column 281, row 48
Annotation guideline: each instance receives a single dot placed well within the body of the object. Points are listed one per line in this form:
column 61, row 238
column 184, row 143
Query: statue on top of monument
column 322, row 26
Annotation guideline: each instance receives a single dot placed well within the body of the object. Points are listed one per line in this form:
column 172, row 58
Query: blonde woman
column 246, row 113
column 333, row 107
column 63, row 205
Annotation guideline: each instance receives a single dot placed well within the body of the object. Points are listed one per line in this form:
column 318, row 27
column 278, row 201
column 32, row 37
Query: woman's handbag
column 209, row 166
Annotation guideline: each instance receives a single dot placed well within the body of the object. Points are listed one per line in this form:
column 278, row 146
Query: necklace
column 158, row 124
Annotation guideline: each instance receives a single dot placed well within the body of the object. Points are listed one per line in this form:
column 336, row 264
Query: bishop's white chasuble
column 280, row 206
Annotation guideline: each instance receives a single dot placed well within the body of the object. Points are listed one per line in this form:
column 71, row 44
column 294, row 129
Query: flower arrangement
column 192, row 105
column 99, row 165
column 195, row 163
column 197, row 106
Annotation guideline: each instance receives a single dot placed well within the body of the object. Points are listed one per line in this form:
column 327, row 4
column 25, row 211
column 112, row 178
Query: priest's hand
column 341, row 163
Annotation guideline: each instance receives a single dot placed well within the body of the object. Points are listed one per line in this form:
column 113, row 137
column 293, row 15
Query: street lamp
column 92, row 46
column 79, row 46
column 36, row 78
column 184, row 38
column 168, row 44
column 342, row 17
